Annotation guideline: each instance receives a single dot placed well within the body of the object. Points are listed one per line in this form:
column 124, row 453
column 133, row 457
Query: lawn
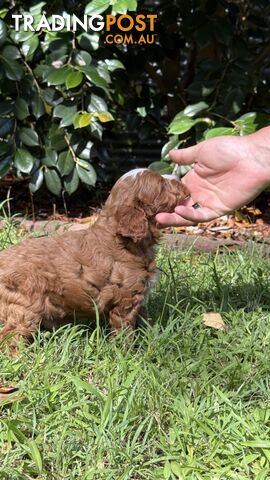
column 179, row 401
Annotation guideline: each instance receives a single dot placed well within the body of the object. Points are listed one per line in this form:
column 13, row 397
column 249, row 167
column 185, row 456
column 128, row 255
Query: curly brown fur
column 53, row 280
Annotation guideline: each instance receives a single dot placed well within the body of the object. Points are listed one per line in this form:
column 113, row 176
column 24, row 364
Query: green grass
column 179, row 401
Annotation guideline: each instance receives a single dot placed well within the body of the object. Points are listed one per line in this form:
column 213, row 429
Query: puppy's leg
column 20, row 324
column 125, row 313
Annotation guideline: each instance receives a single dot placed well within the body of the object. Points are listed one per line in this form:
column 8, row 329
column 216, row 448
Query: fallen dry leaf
column 9, row 394
column 254, row 211
column 219, row 229
column 244, row 224
column 214, row 320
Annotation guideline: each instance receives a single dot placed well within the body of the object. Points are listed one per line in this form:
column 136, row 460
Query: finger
column 185, row 156
column 202, row 214
column 172, row 220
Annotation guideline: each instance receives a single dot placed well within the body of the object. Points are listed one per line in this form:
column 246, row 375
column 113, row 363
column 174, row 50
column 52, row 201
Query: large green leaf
column 37, row 104
column 56, row 138
column 122, row 6
column 104, row 116
column 13, row 69
column 50, row 158
column 6, row 106
column 21, row 109
column 192, row 110
column 36, row 180
column 11, row 52
column 71, row 181
column 103, row 71
column 92, row 74
column 4, row 147
column 87, row 175
column 29, row 137
column 97, row 6
column 6, row 126
column 65, row 162
column 23, row 160
column 21, row 35
column 29, row 47
column 83, row 164
column 58, row 76
column 67, row 114
column 173, row 142
column 161, row 167
column 82, row 119
column 182, row 123
column 5, row 164
column 114, row 64
column 82, row 58
column 96, row 129
column 74, row 79
column 251, row 122
column 53, row 181
column 217, row 132
column 37, row 8
column 97, row 104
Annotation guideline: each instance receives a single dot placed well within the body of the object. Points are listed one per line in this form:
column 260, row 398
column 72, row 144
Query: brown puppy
column 55, row 280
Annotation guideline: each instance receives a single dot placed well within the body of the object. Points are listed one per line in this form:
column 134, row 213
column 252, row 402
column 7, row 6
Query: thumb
column 185, row 156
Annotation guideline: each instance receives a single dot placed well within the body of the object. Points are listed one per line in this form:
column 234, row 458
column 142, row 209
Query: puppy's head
column 139, row 195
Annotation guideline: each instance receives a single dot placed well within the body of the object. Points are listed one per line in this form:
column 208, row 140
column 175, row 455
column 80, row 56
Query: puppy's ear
column 132, row 223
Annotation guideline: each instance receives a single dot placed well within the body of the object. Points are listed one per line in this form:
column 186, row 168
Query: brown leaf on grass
column 214, row 320
column 8, row 394
column 244, row 224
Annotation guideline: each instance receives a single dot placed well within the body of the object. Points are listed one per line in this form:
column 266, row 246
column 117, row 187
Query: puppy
column 55, row 280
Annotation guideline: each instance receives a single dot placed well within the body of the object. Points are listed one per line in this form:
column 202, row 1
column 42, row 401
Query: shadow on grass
column 247, row 288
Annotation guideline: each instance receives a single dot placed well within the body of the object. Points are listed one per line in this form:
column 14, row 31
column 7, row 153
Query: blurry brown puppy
column 57, row 280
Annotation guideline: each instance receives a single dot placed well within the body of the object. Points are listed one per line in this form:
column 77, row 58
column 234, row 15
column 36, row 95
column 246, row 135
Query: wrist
column 259, row 150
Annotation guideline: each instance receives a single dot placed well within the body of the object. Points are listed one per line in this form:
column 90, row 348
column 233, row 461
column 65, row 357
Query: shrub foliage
column 54, row 103
column 207, row 74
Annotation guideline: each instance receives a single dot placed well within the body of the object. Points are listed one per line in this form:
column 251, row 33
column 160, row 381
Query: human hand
column 228, row 172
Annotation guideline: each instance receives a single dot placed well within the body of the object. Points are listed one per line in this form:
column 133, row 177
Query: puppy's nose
column 171, row 176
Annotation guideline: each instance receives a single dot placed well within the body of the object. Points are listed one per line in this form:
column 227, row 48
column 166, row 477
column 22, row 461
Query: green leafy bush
column 206, row 74
column 209, row 67
column 54, row 102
